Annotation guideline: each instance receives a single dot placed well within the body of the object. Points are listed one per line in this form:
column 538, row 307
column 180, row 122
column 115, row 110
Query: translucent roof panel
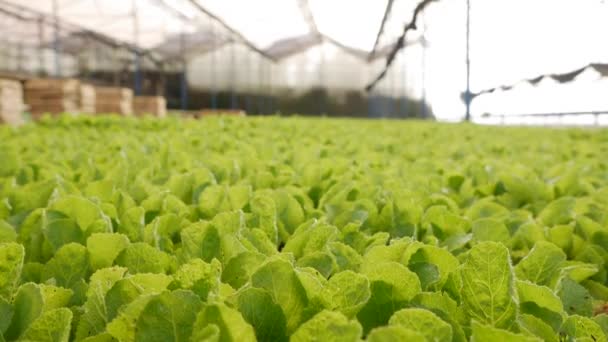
column 354, row 23
column 155, row 19
column 262, row 22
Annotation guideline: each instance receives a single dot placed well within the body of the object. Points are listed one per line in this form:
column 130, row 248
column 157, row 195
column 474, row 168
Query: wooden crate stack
column 113, row 100
column 53, row 96
column 229, row 112
column 11, row 102
column 150, row 105
column 87, row 99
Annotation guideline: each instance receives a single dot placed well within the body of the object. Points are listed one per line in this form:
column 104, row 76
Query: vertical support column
column 184, row 81
column 41, row 63
column 212, row 69
column 405, row 104
column 271, row 104
column 19, row 56
column 56, row 43
column 161, row 89
column 250, row 87
column 233, row 97
column 322, row 87
column 261, row 92
column 423, row 105
column 467, row 96
column 137, row 55
column 116, row 65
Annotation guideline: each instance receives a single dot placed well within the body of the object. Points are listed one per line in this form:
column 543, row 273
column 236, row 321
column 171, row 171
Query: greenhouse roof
column 170, row 29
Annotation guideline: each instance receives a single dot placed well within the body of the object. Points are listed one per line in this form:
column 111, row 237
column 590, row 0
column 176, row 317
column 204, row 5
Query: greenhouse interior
column 303, row 170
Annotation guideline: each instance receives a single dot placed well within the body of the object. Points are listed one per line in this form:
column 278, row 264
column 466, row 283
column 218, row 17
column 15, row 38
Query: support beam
column 308, row 17
column 56, row 43
column 468, row 97
column 137, row 55
column 41, row 64
column 387, row 12
column 400, row 43
column 234, row 32
column 184, row 80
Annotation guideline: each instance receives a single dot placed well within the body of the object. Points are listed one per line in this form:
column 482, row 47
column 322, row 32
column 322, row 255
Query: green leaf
column 560, row 211
column 489, row 333
column 392, row 287
column 104, row 248
column 123, row 326
column 540, row 265
column 239, row 269
column 232, row 327
column 487, row 291
column 332, row 326
column 83, row 211
column 200, row 277
column 6, row 312
column 59, row 229
column 395, row 333
column 347, row 292
column 444, row 223
column 143, row 258
column 489, row 229
column 446, row 308
column 129, row 288
column 580, row 328
column 10, row 161
column 280, row 280
column 575, row 298
column 218, row 198
column 68, row 267
column 168, row 317
column 11, row 265
column 601, row 320
column 95, row 316
column 267, row 318
column 31, row 301
column 540, row 301
column 536, row 326
column 51, row 326
column 424, row 321
column 7, row 232
column 201, row 240
column 210, row 333
column 444, row 262
column 264, row 213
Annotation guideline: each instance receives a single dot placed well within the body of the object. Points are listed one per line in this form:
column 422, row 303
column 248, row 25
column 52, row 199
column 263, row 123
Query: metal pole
column 468, row 62
column 56, row 43
column 260, row 93
column 405, row 94
column 233, row 99
column 184, row 81
column 40, row 45
column 321, row 77
column 212, row 69
column 271, row 108
column 116, row 65
column 423, row 104
column 137, row 74
column 249, row 81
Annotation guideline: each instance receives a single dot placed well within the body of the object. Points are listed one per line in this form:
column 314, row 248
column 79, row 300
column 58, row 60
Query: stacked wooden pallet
column 229, row 112
column 150, row 105
column 113, row 100
column 53, row 96
column 11, row 102
column 87, row 99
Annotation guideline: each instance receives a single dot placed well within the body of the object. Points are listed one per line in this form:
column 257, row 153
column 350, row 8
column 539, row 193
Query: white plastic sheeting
column 510, row 41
